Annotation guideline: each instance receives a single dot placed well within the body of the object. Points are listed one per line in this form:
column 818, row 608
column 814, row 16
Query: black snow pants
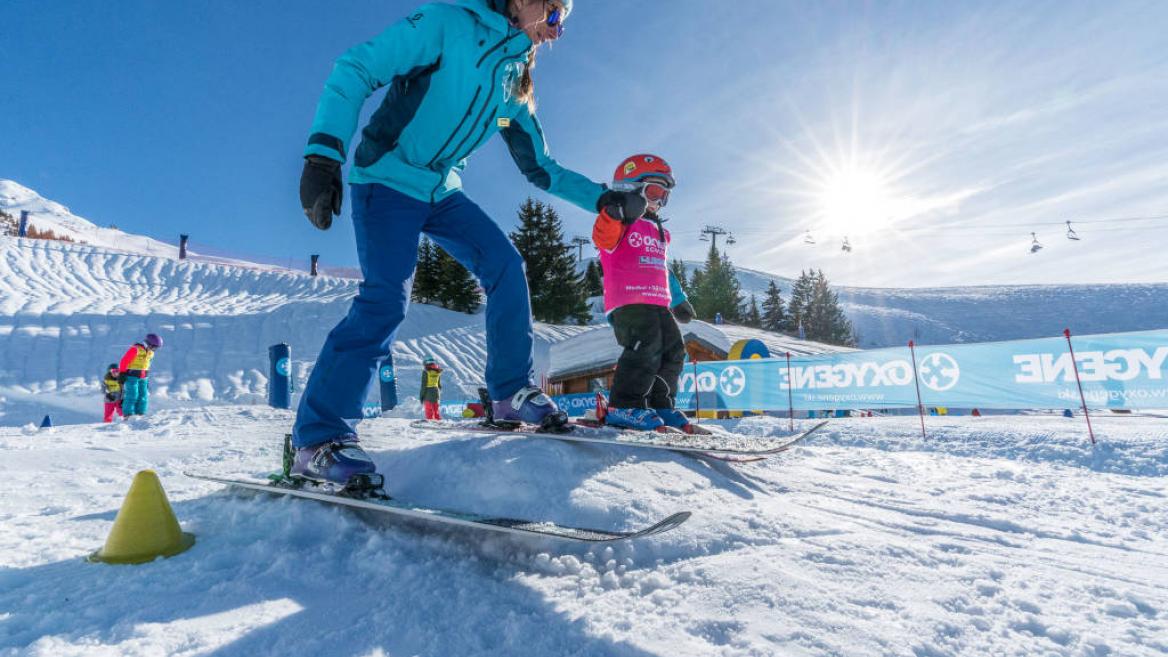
column 648, row 370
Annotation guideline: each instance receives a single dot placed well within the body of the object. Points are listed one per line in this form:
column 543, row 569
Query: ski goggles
column 556, row 19
column 655, row 193
column 651, row 191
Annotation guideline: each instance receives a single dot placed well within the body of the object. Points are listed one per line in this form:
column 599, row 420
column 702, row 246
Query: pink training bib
column 635, row 271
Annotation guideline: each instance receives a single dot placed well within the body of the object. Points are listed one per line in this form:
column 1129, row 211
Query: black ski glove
column 683, row 312
column 625, row 207
column 321, row 190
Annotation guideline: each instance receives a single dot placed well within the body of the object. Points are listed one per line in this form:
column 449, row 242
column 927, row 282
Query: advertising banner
column 1117, row 370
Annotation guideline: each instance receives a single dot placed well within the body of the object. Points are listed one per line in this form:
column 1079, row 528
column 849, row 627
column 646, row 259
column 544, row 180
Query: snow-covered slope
column 68, row 310
column 997, row 536
column 49, row 215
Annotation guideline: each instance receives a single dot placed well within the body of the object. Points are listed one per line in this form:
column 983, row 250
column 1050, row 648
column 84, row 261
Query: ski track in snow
column 994, row 536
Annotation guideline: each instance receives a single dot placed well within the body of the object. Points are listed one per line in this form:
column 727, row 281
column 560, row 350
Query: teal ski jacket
column 450, row 69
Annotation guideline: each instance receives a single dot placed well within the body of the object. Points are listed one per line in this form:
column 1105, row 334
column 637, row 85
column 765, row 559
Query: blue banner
column 1117, row 370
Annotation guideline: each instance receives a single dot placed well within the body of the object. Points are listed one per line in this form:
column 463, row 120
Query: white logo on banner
column 939, row 372
column 282, row 366
column 732, row 381
column 387, row 374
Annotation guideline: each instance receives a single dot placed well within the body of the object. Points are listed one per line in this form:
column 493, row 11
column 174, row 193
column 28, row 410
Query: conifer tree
column 774, row 313
column 798, row 306
column 828, row 322
column 593, row 283
column 752, row 317
column 557, row 291
column 458, row 289
column 426, row 273
column 716, row 288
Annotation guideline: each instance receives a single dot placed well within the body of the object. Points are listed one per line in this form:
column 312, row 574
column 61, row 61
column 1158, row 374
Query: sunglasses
column 556, row 19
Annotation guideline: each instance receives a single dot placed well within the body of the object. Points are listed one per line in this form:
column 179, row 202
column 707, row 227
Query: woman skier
column 457, row 73
column 641, row 299
column 133, row 373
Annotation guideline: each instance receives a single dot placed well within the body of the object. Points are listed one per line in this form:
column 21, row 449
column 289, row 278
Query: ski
column 375, row 500
column 720, row 446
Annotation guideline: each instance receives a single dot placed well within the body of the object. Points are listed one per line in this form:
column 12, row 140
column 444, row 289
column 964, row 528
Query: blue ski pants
column 135, row 396
column 387, row 224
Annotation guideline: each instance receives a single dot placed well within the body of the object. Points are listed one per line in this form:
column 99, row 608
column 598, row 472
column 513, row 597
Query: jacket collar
column 493, row 15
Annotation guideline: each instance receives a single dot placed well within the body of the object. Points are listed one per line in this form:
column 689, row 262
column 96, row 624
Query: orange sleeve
column 131, row 353
column 606, row 232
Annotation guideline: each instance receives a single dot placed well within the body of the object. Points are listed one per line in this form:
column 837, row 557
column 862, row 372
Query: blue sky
column 934, row 136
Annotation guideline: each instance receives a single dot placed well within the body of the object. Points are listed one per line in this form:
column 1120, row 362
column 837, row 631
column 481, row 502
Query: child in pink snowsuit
column 642, row 298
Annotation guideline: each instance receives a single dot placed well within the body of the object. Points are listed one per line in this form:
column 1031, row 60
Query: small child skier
column 431, row 392
column 134, row 370
column 112, row 387
column 642, row 298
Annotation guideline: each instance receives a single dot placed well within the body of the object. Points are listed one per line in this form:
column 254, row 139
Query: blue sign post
column 23, row 231
column 388, row 384
column 280, row 376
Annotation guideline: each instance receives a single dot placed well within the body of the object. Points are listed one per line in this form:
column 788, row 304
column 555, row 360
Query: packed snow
column 994, row 536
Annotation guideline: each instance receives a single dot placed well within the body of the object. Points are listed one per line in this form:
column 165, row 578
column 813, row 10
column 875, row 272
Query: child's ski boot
column 676, row 419
column 638, row 419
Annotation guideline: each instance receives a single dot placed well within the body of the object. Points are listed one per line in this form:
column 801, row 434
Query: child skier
column 112, row 387
column 431, row 392
column 641, row 300
column 133, row 370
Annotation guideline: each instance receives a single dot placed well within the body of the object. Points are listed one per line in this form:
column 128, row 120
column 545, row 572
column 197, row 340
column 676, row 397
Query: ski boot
column 676, row 419
column 340, row 463
column 639, row 419
column 529, row 406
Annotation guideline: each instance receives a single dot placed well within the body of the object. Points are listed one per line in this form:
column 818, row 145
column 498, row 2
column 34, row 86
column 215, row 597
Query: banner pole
column 790, row 403
column 697, row 403
column 920, row 406
column 1082, row 398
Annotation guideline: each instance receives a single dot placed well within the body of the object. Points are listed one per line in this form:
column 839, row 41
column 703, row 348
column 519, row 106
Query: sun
column 854, row 201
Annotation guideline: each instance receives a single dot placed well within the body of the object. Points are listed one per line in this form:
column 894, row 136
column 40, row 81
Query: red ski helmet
column 636, row 168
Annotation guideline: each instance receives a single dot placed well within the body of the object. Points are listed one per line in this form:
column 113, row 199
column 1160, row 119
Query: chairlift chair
column 846, row 246
column 730, row 239
column 1071, row 234
column 808, row 239
column 1035, row 247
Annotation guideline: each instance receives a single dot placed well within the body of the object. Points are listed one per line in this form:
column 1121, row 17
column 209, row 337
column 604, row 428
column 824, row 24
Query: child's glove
column 683, row 312
column 321, row 190
column 625, row 207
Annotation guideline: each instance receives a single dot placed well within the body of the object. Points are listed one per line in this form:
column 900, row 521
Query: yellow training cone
column 145, row 527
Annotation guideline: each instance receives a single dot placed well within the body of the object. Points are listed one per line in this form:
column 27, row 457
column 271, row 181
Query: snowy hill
column 68, row 310
column 888, row 317
column 50, row 215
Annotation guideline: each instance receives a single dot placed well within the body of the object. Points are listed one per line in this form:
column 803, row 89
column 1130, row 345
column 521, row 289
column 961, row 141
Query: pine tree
column 426, row 274
column 751, row 317
column 458, row 289
column 774, row 313
column 557, row 291
column 716, row 289
column 677, row 268
column 828, row 322
column 798, row 307
column 593, row 283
